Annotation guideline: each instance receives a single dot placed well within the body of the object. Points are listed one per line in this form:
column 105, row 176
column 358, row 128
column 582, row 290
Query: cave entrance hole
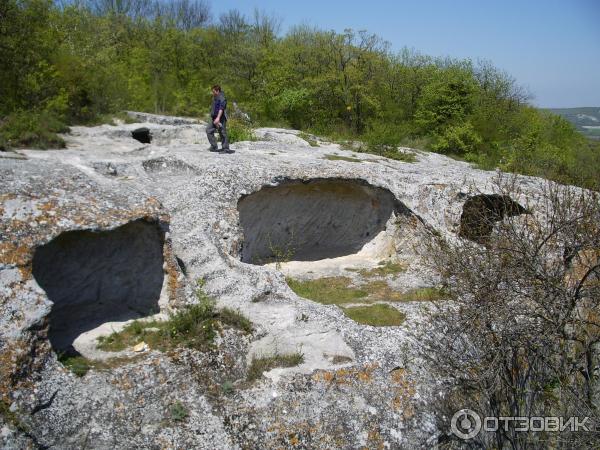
column 312, row 220
column 97, row 277
column 480, row 212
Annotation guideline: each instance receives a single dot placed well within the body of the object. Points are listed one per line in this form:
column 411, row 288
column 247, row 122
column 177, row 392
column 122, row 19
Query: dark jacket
column 219, row 102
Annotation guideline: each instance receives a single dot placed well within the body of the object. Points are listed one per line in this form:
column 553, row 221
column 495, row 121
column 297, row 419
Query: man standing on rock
column 219, row 121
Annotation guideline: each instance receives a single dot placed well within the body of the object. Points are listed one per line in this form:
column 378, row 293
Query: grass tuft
column 11, row 417
column 178, row 412
column 337, row 291
column 329, row 290
column 379, row 315
column 79, row 365
column 193, row 327
column 267, row 362
column 341, row 158
column 235, row 319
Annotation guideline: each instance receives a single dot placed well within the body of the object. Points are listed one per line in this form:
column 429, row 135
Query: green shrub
column 461, row 139
column 32, row 129
column 238, row 131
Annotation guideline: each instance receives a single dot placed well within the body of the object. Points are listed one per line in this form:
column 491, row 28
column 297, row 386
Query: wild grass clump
column 11, row 417
column 262, row 364
column 328, row 291
column 79, row 365
column 426, row 294
column 194, row 326
column 341, row 158
column 235, row 319
column 366, row 297
column 178, row 412
column 379, row 315
column 338, row 290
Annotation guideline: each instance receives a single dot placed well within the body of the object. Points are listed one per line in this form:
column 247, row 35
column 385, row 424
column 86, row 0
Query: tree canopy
column 73, row 61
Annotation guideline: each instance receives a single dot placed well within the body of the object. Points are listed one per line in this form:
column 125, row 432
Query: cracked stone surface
column 359, row 386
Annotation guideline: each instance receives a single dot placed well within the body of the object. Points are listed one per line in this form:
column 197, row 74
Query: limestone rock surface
column 358, row 386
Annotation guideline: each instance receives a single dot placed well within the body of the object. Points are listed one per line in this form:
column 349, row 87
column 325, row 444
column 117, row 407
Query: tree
column 519, row 334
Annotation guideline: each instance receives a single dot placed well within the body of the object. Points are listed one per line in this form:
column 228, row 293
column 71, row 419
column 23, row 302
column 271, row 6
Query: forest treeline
column 74, row 62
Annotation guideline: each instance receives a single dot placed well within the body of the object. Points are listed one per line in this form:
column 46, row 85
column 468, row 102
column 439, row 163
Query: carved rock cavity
column 312, row 220
column 93, row 277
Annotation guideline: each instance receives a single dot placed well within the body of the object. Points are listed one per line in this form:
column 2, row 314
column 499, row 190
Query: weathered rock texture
column 103, row 231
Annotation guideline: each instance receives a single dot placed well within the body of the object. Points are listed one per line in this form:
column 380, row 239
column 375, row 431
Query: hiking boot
column 212, row 149
column 228, row 150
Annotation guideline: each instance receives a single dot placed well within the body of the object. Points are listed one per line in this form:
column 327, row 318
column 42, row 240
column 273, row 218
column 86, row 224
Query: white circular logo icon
column 465, row 424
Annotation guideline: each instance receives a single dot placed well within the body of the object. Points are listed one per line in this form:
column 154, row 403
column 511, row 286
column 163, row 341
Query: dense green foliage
column 81, row 60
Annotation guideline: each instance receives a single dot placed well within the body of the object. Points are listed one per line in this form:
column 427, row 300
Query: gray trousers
column 210, row 133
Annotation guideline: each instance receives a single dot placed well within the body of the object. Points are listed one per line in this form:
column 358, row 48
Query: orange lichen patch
column 346, row 375
column 289, row 434
column 125, row 383
column 26, row 272
column 172, row 271
column 13, row 254
column 437, row 185
column 375, row 440
column 404, row 393
column 50, row 205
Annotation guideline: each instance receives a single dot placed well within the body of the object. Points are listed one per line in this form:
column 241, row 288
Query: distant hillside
column 587, row 120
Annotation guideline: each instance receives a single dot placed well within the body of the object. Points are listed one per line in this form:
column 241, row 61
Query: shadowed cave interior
column 312, row 220
column 97, row 277
column 480, row 212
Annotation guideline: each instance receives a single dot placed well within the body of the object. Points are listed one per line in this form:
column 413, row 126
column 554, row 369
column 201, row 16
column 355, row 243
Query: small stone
column 141, row 347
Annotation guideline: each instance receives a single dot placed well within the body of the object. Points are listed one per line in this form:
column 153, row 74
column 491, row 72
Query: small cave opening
column 142, row 135
column 312, row 220
column 480, row 212
column 94, row 277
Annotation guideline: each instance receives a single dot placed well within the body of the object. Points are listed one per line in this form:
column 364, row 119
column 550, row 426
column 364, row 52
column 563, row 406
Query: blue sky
column 551, row 47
